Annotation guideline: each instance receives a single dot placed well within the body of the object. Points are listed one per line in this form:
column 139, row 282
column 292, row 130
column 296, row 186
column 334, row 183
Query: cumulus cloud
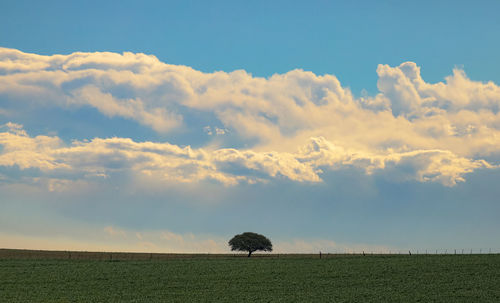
column 409, row 93
column 165, row 162
column 160, row 161
column 294, row 125
column 420, row 165
column 112, row 83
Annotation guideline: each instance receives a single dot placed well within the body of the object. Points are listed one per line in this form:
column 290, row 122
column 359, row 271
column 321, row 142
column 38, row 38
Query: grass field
column 219, row 278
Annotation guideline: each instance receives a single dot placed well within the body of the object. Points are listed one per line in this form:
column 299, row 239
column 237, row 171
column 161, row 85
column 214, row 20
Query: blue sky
column 267, row 37
column 173, row 125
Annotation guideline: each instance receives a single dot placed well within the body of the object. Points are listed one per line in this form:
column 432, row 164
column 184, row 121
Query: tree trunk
column 249, row 253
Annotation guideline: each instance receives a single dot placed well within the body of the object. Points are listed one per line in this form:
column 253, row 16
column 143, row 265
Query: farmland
column 30, row 276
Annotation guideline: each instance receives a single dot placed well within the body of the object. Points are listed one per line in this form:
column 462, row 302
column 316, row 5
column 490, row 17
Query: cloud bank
column 294, row 126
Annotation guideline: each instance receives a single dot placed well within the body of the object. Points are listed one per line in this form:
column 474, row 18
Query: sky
column 171, row 126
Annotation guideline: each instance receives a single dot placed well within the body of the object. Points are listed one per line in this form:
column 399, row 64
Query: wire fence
column 428, row 251
column 121, row 256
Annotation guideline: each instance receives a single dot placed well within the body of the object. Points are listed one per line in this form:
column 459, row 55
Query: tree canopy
column 250, row 242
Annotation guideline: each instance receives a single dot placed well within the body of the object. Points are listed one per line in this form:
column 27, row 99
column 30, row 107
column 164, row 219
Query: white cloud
column 215, row 131
column 115, row 232
column 410, row 94
column 295, row 125
column 421, row 165
column 156, row 118
column 166, row 163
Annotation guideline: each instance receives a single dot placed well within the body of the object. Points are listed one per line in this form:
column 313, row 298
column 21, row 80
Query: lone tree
column 250, row 242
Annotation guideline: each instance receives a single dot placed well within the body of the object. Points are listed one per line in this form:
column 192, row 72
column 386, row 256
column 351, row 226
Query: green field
column 207, row 278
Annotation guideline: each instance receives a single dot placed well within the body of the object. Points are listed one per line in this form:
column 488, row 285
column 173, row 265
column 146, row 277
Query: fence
column 118, row 256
